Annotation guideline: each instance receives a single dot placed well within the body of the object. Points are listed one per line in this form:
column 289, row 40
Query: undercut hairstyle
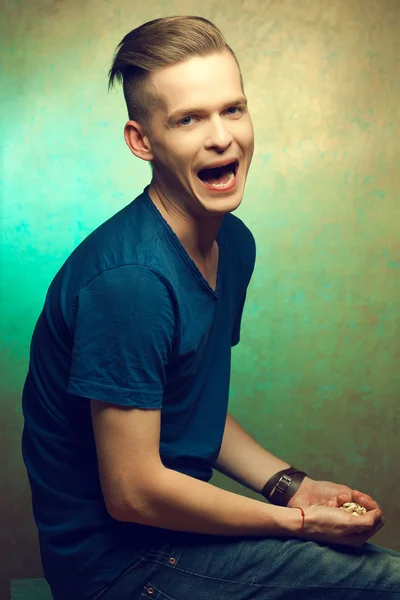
column 156, row 44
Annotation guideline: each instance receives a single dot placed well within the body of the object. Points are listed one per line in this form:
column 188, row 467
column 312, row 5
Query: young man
column 126, row 398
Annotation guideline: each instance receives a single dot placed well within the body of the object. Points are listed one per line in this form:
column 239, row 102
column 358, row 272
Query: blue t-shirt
column 128, row 319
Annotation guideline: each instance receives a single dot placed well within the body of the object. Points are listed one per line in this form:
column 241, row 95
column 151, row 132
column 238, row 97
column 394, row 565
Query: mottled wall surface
column 316, row 377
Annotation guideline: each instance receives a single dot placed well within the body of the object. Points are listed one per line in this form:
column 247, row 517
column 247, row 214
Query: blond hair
column 157, row 44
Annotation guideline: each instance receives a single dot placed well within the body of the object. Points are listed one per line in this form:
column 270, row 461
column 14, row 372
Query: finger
column 363, row 536
column 344, row 497
column 365, row 500
column 363, row 524
column 371, row 518
column 360, row 536
column 378, row 525
column 364, row 531
column 341, row 499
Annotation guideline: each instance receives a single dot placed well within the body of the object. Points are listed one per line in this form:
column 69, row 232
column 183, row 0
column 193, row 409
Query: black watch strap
column 286, row 488
column 272, row 482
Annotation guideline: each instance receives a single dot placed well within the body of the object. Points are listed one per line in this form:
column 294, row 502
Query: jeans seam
column 194, row 575
column 200, row 576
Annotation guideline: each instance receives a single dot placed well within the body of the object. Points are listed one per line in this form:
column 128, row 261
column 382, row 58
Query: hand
column 320, row 493
column 324, row 522
column 329, row 524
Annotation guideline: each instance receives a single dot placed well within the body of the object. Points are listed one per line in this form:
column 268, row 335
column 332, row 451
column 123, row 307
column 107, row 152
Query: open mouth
column 219, row 177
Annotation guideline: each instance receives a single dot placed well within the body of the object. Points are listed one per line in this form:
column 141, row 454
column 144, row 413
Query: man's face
column 201, row 119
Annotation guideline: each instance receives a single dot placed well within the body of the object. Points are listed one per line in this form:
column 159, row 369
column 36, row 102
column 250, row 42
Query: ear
column 137, row 141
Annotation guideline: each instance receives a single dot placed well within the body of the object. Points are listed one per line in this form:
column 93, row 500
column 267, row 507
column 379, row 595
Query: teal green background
column 316, row 377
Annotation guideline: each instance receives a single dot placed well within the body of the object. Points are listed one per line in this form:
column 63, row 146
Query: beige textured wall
column 316, row 376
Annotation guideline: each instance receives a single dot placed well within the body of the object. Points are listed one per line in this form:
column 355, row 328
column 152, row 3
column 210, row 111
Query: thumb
column 342, row 498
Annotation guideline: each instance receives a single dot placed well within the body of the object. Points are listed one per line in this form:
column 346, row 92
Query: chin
column 222, row 207
column 220, row 203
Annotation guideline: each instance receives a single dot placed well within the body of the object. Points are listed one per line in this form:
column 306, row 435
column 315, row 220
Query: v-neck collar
column 188, row 260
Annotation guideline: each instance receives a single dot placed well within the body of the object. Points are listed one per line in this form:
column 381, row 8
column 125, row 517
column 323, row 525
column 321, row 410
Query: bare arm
column 183, row 503
column 241, row 458
column 137, row 487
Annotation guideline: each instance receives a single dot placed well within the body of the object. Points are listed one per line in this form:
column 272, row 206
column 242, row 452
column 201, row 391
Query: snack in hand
column 354, row 508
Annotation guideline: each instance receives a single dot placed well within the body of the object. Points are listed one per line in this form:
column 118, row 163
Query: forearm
column 178, row 502
column 241, row 458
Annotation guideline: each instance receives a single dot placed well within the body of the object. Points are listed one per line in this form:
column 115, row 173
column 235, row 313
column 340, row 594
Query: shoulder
column 124, row 301
column 111, row 252
column 129, row 286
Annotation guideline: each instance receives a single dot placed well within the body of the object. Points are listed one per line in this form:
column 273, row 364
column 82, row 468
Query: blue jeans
column 188, row 566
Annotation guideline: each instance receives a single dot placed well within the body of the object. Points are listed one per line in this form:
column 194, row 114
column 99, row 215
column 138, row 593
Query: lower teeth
column 222, row 185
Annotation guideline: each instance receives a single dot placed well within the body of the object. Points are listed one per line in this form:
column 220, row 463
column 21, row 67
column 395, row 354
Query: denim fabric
column 200, row 567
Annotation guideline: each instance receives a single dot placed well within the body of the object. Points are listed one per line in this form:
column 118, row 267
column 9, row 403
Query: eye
column 184, row 121
column 233, row 108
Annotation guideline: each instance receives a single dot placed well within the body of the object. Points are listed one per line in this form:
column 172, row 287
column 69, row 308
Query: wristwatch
column 286, row 483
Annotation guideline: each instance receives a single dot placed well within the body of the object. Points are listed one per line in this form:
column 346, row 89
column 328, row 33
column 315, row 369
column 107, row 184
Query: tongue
column 222, row 179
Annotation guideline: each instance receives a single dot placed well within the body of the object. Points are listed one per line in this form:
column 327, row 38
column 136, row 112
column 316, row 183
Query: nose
column 219, row 135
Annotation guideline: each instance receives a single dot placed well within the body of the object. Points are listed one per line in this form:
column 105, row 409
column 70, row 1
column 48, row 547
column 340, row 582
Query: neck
column 196, row 235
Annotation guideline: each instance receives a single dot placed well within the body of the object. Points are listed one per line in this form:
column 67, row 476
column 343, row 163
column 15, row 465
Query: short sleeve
column 123, row 335
column 236, row 327
column 247, row 262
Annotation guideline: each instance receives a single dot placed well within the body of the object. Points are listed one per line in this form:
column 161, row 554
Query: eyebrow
column 179, row 114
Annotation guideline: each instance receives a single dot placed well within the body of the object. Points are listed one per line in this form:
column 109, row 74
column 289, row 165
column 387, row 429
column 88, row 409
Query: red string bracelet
column 303, row 516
